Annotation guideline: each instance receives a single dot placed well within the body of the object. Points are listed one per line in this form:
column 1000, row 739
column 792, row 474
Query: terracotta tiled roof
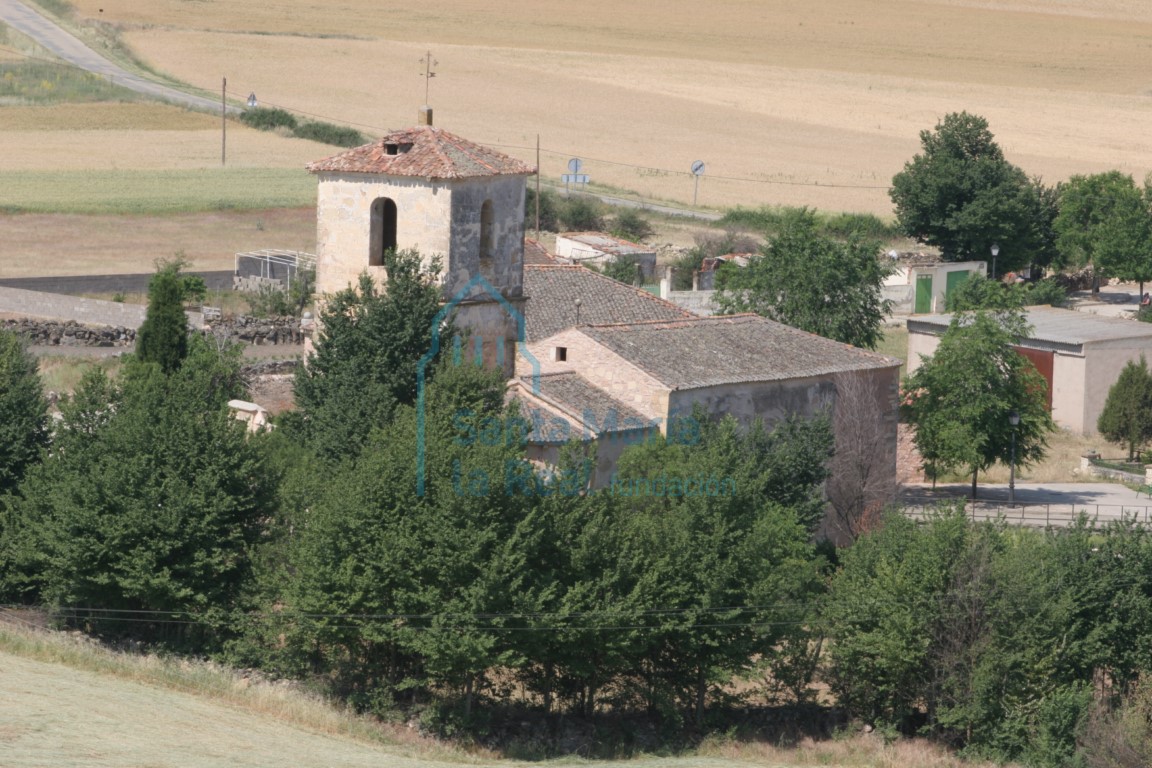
column 588, row 411
column 426, row 152
column 731, row 349
column 552, row 292
column 534, row 253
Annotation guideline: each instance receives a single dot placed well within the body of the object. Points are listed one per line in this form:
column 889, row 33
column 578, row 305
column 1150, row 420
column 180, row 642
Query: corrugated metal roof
column 606, row 243
column 424, row 152
column 1057, row 326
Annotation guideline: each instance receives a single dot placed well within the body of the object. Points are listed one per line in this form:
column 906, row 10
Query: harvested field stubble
column 94, row 245
column 781, row 93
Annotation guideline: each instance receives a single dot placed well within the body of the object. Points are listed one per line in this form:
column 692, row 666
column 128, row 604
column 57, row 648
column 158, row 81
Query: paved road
column 1037, row 504
column 63, row 44
column 126, row 283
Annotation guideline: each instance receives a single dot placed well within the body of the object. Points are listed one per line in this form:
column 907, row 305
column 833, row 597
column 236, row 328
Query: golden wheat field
column 787, row 101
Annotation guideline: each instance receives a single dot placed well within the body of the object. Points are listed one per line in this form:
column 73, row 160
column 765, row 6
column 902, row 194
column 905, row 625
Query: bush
column 769, row 220
column 271, row 301
column 1120, row 738
column 624, row 269
column 263, row 119
column 864, row 225
column 328, row 133
column 582, row 214
column 549, row 211
column 1046, row 291
column 630, row 225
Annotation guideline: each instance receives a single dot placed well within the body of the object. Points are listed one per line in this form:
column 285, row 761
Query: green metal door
column 923, row 294
column 955, row 280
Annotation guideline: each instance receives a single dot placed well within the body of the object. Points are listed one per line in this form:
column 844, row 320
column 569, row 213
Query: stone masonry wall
column 52, row 333
column 246, row 330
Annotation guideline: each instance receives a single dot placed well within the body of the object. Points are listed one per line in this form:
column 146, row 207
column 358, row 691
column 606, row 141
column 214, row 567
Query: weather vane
column 428, row 74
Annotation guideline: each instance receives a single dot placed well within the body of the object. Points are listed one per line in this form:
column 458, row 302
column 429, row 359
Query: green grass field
column 155, row 192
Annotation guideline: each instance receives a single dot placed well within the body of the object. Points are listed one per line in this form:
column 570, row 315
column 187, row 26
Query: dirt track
column 22, row 18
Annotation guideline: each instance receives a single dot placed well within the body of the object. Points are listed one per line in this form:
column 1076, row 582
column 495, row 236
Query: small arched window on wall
column 486, row 236
column 383, row 234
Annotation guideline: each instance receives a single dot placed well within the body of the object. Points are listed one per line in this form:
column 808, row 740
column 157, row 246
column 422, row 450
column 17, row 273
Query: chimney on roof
column 425, row 116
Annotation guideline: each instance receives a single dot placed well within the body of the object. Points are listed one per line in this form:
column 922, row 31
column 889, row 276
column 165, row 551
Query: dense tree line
column 962, row 195
column 147, row 511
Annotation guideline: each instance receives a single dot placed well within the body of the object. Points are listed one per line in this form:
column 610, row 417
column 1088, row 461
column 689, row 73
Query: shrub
column 630, row 225
column 581, row 214
column 624, row 269
column 1046, row 291
column 264, row 119
column 864, row 225
column 327, row 133
column 271, row 301
column 770, row 220
column 549, row 211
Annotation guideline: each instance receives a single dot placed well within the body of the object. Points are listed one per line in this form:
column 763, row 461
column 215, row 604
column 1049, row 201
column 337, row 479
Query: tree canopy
column 959, row 398
column 1105, row 221
column 163, row 338
column 813, row 282
column 23, row 411
column 151, row 498
column 365, row 358
column 1127, row 415
column 961, row 195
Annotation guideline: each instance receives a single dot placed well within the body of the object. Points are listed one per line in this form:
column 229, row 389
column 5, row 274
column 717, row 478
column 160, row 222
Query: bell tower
column 449, row 198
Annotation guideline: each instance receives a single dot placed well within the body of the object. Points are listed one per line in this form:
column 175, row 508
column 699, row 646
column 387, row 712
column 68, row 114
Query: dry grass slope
column 67, row 701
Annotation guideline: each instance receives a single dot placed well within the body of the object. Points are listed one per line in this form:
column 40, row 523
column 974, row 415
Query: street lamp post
column 995, row 253
column 1014, row 420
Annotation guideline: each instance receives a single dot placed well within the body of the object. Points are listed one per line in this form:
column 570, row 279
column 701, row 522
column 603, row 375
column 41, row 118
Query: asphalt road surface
column 63, row 44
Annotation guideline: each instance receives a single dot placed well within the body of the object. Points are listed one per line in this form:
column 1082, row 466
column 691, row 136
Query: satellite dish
column 698, row 168
column 574, row 165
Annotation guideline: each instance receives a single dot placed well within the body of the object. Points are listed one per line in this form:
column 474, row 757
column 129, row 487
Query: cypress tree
column 23, row 411
column 1127, row 415
column 163, row 338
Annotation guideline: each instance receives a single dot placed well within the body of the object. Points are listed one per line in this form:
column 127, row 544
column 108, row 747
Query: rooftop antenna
column 425, row 114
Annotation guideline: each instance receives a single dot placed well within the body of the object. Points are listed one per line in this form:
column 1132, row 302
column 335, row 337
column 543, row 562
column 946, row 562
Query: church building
column 608, row 360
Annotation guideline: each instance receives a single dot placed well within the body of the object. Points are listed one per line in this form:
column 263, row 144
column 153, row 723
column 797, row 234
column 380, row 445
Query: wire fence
column 1036, row 515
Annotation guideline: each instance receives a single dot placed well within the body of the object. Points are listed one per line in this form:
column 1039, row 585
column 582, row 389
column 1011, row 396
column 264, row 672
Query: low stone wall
column 1088, row 464
column 51, row 333
column 259, row 331
column 256, row 284
column 271, row 368
column 55, row 333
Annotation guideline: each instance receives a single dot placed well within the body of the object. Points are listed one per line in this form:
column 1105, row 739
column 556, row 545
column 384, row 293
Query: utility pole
column 428, row 63
column 537, row 186
column 223, row 122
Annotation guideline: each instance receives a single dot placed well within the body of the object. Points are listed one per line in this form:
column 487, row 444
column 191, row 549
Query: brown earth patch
column 68, row 244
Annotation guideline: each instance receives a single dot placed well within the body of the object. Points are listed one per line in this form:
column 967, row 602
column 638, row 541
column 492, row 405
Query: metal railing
column 1036, row 515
